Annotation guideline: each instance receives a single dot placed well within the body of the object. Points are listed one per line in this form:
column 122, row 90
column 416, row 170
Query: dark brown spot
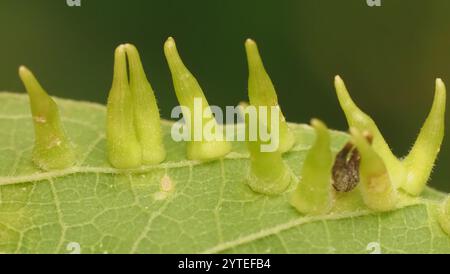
column 345, row 173
column 346, row 169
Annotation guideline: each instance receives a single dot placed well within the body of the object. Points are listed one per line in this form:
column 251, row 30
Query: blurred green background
column 389, row 56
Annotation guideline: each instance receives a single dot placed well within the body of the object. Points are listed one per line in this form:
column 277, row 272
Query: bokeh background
column 389, row 56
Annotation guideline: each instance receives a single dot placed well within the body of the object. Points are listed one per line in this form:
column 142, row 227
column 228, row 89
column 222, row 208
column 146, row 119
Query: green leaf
column 181, row 205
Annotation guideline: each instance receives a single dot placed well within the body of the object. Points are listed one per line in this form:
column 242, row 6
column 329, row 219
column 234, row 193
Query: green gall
column 147, row 120
column 413, row 172
column 268, row 173
column 423, row 154
column 376, row 187
column 196, row 110
column 360, row 120
column 124, row 149
column 314, row 193
column 52, row 149
column 261, row 92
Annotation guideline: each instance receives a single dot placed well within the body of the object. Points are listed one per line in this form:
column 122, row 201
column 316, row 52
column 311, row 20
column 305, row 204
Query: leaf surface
column 180, row 205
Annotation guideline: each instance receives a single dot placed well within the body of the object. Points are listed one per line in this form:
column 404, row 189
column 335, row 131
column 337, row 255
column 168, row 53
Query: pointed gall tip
column 243, row 104
column 250, row 42
column 173, row 58
column 129, row 47
column 30, row 82
column 251, row 47
column 440, row 85
column 316, row 123
column 338, row 81
column 119, row 53
column 120, row 50
column 25, row 75
column 344, row 98
column 440, row 94
column 120, row 74
column 170, row 49
column 255, row 64
column 23, row 71
column 131, row 52
column 340, row 87
column 170, row 43
column 319, row 126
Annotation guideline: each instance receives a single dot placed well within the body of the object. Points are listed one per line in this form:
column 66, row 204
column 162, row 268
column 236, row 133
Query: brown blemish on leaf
column 345, row 172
